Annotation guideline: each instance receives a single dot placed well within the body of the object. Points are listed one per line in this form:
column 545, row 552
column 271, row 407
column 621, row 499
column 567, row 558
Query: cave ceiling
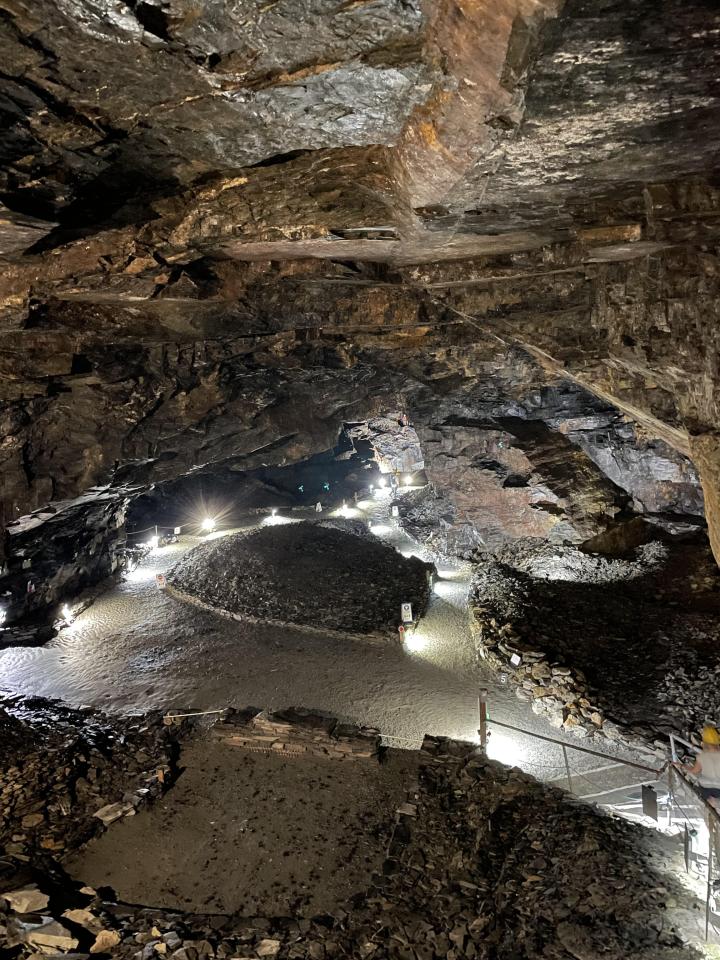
column 229, row 225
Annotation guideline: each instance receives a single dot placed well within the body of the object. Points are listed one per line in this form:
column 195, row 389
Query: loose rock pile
column 625, row 648
column 64, row 772
column 484, row 863
column 306, row 574
column 297, row 732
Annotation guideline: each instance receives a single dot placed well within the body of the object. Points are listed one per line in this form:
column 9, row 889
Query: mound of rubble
column 307, row 574
column 625, row 647
column 64, row 773
column 483, row 862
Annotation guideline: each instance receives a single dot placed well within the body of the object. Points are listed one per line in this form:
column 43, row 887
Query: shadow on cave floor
column 644, row 630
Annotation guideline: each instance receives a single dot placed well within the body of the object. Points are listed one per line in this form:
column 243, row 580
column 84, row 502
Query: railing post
column 567, row 767
column 711, row 840
column 482, row 719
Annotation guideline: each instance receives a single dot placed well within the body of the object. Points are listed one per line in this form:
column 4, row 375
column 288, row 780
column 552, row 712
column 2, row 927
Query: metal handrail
column 593, row 753
column 674, row 738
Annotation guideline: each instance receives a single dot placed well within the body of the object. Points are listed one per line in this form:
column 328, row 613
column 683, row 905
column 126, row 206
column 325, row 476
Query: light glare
column 208, row 524
column 415, row 642
column 506, row 749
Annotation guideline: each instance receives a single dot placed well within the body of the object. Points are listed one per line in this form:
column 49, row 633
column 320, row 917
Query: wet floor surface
column 137, row 648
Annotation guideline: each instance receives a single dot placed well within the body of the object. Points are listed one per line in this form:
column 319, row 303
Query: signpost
column 483, row 718
column 406, row 612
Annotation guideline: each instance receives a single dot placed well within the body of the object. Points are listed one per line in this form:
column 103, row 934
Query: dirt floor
column 254, row 834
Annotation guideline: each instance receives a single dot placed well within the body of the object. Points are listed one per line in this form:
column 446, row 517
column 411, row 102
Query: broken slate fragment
column 27, row 899
column 50, row 936
column 113, row 811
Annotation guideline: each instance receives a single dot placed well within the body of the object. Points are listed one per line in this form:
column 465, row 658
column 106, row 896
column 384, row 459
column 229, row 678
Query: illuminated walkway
column 136, row 648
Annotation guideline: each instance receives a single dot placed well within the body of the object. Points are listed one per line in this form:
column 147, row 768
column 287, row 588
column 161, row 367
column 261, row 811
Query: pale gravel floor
column 136, row 648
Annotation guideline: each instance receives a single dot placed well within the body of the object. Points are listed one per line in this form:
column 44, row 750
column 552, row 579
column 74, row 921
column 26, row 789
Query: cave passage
column 360, row 358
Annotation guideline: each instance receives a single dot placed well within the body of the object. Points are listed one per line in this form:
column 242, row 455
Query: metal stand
column 567, row 767
column 483, row 718
column 711, row 844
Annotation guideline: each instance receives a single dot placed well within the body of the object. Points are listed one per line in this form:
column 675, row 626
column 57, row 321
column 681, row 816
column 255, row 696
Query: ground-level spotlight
column 407, row 480
column 415, row 642
column 153, row 543
column 66, row 613
column 208, row 525
column 344, row 510
column 273, row 512
column 382, row 483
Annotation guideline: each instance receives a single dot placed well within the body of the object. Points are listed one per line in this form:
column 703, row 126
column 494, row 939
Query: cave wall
column 517, row 449
column 227, row 229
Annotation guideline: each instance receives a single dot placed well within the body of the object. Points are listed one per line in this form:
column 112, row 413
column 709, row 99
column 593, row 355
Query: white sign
column 395, row 511
column 406, row 612
column 516, row 659
column 160, row 580
column 177, row 530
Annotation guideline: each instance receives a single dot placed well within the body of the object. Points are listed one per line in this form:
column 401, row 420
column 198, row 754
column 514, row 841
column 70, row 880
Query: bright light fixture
column 507, row 749
column 277, row 519
column 407, row 479
column 66, row 612
column 153, row 542
column 273, row 512
column 415, row 642
column 208, row 524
